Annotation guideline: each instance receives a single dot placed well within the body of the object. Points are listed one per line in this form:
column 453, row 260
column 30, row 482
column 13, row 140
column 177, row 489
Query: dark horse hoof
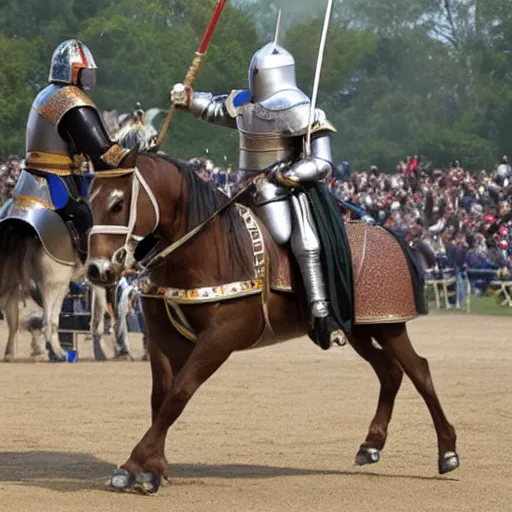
column 97, row 347
column 121, row 479
column 147, row 483
column 367, row 455
column 52, row 356
column 448, row 462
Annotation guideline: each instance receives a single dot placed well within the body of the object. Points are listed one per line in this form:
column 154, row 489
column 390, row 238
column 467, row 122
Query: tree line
column 400, row 77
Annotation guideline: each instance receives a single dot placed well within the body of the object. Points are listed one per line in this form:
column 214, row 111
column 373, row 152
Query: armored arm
column 318, row 165
column 83, row 127
column 211, row 109
column 204, row 105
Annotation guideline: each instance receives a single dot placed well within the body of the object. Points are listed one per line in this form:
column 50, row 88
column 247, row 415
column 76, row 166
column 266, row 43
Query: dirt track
column 274, row 430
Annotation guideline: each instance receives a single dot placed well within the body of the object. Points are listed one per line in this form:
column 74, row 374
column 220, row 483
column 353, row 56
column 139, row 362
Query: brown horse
column 229, row 288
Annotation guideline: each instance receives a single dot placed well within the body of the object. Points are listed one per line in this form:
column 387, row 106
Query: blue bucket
column 72, row 356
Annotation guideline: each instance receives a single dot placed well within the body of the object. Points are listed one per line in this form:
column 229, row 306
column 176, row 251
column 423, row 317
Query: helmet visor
column 88, row 78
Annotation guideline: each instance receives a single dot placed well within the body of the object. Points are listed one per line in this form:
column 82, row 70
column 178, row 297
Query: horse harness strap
column 125, row 254
column 159, row 257
column 175, row 297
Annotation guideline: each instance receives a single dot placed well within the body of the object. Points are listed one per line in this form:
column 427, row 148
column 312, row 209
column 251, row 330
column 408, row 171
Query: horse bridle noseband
column 124, row 255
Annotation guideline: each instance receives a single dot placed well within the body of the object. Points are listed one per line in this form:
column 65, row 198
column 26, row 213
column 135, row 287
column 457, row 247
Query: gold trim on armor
column 63, row 100
column 29, row 202
column 326, row 126
column 265, row 142
column 114, row 173
column 114, row 155
column 54, row 163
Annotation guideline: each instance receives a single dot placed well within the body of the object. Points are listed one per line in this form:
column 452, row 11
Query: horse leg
column 34, row 326
column 147, row 463
column 390, row 376
column 395, row 339
column 12, row 316
column 121, row 327
column 168, row 353
column 98, row 322
column 54, row 287
column 54, row 317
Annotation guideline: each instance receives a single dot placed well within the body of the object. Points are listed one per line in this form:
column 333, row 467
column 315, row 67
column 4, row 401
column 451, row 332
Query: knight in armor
column 65, row 133
column 272, row 119
column 133, row 131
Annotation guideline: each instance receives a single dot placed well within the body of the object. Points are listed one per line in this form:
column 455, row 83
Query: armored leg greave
column 306, row 248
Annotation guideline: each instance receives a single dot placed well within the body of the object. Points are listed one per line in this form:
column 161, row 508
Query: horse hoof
column 39, row 358
column 55, row 356
column 367, row 455
column 147, row 483
column 121, row 479
column 97, row 348
column 448, row 462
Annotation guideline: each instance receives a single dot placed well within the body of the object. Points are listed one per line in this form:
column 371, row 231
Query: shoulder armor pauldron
column 285, row 100
column 54, row 101
column 236, row 101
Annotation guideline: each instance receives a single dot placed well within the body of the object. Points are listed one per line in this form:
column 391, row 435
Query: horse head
column 125, row 209
column 163, row 198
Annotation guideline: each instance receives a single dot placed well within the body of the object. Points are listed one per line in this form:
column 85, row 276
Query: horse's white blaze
column 114, row 197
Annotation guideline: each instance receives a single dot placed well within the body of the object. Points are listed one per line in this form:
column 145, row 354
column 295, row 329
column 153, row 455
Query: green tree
column 17, row 60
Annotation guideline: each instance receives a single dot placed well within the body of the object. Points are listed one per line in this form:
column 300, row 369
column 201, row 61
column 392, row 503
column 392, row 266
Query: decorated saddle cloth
column 416, row 272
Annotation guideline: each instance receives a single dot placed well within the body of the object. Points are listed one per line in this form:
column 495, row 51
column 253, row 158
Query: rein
column 125, row 254
column 159, row 257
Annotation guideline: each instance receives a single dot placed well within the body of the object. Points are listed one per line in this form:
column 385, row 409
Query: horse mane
column 204, row 199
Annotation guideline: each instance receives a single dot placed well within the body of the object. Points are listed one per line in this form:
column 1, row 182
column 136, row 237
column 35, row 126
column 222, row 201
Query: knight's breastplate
column 46, row 150
column 267, row 136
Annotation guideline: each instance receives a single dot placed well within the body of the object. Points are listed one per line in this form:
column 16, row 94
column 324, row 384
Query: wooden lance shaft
column 189, row 80
column 192, row 70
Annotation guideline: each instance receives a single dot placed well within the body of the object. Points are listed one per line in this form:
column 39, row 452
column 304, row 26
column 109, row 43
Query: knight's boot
column 306, row 248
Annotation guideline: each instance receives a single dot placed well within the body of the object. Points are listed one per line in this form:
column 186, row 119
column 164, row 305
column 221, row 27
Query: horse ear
column 129, row 160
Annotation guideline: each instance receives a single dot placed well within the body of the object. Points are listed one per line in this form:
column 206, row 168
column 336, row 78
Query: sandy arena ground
column 273, row 430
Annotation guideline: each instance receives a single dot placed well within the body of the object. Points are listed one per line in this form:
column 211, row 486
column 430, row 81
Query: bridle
column 125, row 255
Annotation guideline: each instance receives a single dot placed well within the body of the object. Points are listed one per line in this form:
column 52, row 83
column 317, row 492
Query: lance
column 192, row 70
column 316, row 83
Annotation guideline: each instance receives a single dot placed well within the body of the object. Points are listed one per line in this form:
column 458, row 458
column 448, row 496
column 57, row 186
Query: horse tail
column 34, row 292
column 20, row 258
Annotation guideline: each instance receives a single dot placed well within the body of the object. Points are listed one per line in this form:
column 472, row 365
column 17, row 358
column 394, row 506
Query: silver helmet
column 72, row 63
column 272, row 69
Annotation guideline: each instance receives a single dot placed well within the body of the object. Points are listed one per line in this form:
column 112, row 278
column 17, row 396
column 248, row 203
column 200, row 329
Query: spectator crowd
column 466, row 218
